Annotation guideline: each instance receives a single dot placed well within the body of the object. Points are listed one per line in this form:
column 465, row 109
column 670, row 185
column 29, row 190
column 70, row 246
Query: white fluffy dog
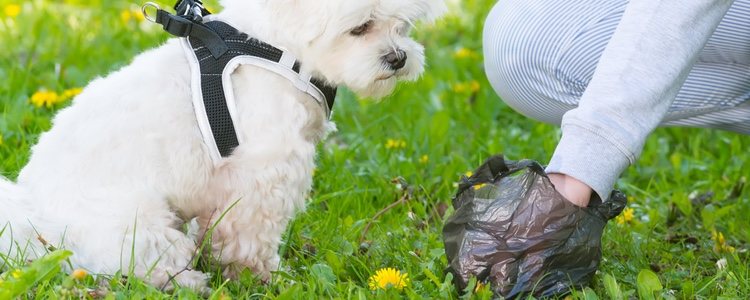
column 125, row 165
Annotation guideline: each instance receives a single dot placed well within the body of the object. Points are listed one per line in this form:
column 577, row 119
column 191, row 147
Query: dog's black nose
column 396, row 59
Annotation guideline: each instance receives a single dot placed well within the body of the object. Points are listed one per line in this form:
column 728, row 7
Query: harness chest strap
column 215, row 49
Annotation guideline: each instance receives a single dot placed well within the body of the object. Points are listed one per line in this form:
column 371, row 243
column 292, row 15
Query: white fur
column 125, row 165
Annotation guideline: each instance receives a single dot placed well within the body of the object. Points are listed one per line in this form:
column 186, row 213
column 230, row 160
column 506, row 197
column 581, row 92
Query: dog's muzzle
column 396, row 59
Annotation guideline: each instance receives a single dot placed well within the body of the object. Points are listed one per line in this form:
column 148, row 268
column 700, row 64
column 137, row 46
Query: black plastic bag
column 511, row 228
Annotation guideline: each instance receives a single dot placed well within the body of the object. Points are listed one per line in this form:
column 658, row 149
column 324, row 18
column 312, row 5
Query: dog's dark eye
column 361, row 29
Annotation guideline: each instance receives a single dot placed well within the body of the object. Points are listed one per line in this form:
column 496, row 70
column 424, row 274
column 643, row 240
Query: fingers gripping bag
column 512, row 229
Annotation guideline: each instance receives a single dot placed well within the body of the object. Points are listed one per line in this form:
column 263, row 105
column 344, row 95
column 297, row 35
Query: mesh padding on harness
column 214, row 99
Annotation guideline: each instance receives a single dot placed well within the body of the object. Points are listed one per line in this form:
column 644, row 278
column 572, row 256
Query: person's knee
column 519, row 61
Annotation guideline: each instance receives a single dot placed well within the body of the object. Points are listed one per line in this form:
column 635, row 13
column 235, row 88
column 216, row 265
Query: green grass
column 667, row 250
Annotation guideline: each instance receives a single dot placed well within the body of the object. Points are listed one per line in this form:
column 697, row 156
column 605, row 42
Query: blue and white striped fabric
column 541, row 54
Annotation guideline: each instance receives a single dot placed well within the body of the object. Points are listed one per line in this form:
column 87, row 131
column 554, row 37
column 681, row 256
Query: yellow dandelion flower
column 395, row 144
column 125, row 16
column 422, row 160
column 474, row 86
column 460, row 88
column 469, row 173
column 388, row 277
column 479, row 186
column 626, row 216
column 137, row 15
column 720, row 243
column 718, row 237
column 79, row 274
column 132, row 14
column 464, row 87
column 45, row 98
column 12, row 10
column 462, row 53
column 16, row 273
column 70, row 93
column 389, row 143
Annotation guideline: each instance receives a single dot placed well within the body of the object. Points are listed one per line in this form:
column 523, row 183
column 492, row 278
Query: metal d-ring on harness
column 215, row 49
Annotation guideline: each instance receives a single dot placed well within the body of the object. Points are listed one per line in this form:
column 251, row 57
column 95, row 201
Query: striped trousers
column 541, row 54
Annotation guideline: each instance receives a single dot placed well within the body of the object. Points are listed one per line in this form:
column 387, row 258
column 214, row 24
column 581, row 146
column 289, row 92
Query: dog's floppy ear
column 306, row 29
column 316, row 26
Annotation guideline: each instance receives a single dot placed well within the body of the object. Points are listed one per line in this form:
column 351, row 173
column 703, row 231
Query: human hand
column 571, row 189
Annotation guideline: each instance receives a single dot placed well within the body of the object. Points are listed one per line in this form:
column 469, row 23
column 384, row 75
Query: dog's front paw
column 233, row 272
column 169, row 280
column 261, row 269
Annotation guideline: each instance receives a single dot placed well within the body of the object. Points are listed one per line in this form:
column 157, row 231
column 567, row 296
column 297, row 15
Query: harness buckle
column 188, row 23
column 175, row 25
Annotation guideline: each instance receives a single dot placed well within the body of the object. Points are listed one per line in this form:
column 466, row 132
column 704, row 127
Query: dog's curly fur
column 125, row 165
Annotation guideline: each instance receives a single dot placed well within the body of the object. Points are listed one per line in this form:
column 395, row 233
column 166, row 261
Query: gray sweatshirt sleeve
column 637, row 78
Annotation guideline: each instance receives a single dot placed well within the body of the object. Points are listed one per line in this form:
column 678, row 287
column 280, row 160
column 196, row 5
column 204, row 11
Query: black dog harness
column 215, row 49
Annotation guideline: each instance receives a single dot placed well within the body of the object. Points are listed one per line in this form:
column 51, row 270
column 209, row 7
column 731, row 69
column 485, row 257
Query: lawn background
column 419, row 141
